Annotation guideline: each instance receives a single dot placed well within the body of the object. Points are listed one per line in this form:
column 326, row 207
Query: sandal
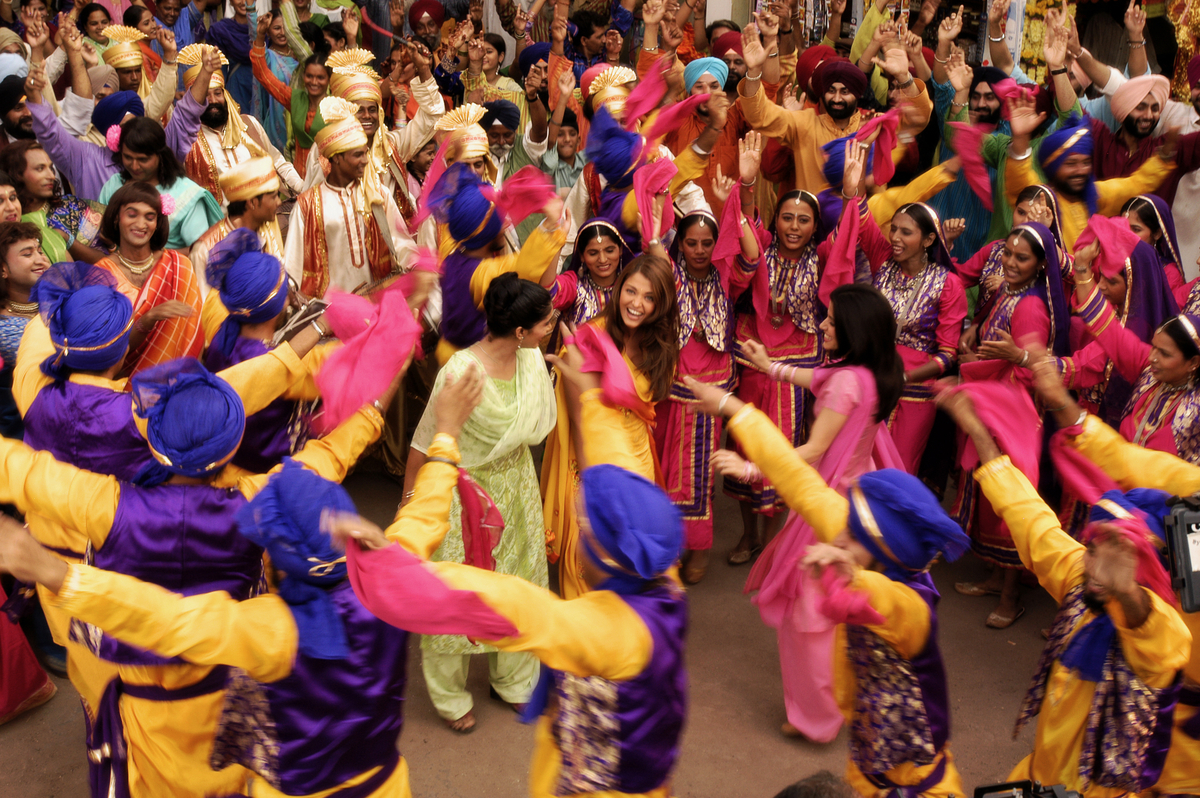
column 464, row 725
column 997, row 621
column 741, row 556
column 791, row 731
column 976, row 589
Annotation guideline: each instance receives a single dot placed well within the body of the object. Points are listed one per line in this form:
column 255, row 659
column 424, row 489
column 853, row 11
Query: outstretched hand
column 458, row 399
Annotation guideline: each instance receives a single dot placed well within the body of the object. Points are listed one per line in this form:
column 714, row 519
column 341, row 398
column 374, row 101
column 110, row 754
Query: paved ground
column 732, row 745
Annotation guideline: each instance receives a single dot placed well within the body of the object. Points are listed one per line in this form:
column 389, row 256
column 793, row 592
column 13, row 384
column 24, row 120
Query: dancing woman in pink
column 854, row 395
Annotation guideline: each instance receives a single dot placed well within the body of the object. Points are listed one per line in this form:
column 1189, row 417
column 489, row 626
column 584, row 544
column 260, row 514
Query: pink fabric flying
column 840, row 265
column 1008, row 89
column 1116, row 242
column 672, row 117
column 884, row 168
column 524, row 194
column 648, row 181
column 843, row 604
column 378, row 338
column 1084, row 479
column 1008, row 413
column 616, row 383
column 482, row 524
column 968, row 145
column 646, row 96
column 398, row 589
column 436, row 169
column 729, row 241
column 1150, row 572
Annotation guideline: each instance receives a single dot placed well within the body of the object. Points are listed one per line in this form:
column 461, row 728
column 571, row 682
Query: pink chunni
column 524, row 194
column 968, row 145
column 842, row 604
column 884, row 168
column 616, row 383
column 648, row 181
column 673, row 115
column 1008, row 413
column 1116, row 241
column 482, row 524
column 646, row 95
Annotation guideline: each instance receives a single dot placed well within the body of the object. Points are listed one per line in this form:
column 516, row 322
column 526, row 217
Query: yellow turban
column 250, row 179
column 124, row 51
column 352, row 79
column 611, row 88
column 468, row 139
column 193, row 56
column 342, row 131
column 235, row 129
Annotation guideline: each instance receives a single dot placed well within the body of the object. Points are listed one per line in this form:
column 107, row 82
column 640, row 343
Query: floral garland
column 1185, row 17
column 1033, row 41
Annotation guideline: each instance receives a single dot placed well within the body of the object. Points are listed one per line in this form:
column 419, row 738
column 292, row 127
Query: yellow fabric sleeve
column 906, row 627
column 689, row 165
column 1018, row 176
column 1132, row 466
column 261, row 380
column 1158, row 648
column 331, row 456
column 1112, row 194
column 81, row 502
column 596, row 634
column 422, row 524
column 305, row 390
column 258, row 635
column 1053, row 555
column 28, row 379
column 796, row 481
column 883, row 205
column 530, row 263
column 773, row 121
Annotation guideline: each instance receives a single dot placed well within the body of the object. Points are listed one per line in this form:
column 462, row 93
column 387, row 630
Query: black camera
column 1183, row 542
column 1024, row 789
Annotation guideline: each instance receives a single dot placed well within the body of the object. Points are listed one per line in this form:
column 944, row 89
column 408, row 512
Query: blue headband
column 194, row 419
column 285, row 519
column 252, row 285
column 712, row 66
column 87, row 317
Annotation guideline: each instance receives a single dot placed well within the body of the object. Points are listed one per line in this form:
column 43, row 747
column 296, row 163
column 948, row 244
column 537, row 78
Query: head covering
column 1168, row 243
column 1193, row 70
column 13, row 66
column 12, row 93
column 576, row 262
column 124, row 51
column 986, row 74
column 285, row 519
column 614, row 150
column 342, row 131
column 458, row 201
column 730, row 40
column 610, row 88
column 426, row 8
column 252, row 284
column 103, row 75
column 807, row 63
column 113, row 108
column 1072, row 138
column 900, row 522
column 249, row 179
column 87, row 317
column 705, row 66
column 1133, row 527
column 192, row 57
column 570, row 120
column 1049, row 287
column 835, row 161
column 502, row 112
column 531, row 55
column 1133, row 91
column 841, row 71
column 10, row 37
column 353, row 79
column 1051, row 199
column 466, row 135
column 635, row 533
column 1146, row 504
column 194, row 419
column 941, row 252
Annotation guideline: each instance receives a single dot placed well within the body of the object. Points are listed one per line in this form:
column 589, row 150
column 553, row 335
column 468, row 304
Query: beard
column 843, row 111
column 731, row 82
column 500, row 151
column 215, row 115
column 1130, row 126
column 19, row 130
column 986, row 116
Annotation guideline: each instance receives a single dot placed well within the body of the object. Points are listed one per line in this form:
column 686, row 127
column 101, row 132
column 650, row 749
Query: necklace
column 23, row 308
column 137, row 267
column 488, row 355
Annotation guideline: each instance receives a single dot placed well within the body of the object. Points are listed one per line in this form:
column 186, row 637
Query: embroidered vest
column 315, row 279
column 915, row 303
column 1185, row 423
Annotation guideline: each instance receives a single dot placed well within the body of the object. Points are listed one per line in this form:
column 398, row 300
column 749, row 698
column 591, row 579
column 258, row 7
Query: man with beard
column 227, row 136
column 729, row 49
column 426, row 17
column 712, row 76
column 511, row 152
column 837, row 86
column 1107, row 676
column 18, row 120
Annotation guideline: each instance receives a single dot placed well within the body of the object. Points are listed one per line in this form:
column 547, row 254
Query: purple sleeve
column 184, row 125
column 85, row 165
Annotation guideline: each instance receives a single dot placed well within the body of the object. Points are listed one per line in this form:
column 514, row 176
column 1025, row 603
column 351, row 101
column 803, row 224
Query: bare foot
column 464, row 725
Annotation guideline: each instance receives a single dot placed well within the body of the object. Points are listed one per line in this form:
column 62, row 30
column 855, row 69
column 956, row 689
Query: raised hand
column 960, row 73
column 722, row 186
column 166, row 40
column 718, row 109
column 952, row 229
column 998, row 11
column 1039, row 211
column 928, row 11
column 1023, row 117
column 475, row 11
column 670, row 35
column 951, row 26
column 750, row 156
column 912, row 46
column 91, row 58
column 1114, row 563
column 767, row 23
column 37, row 32
column 894, row 62
column 753, row 53
column 558, row 32
column 522, row 21
column 1135, row 22
column 613, row 42
column 653, row 11
column 793, row 98
column 350, row 25
column 566, row 83
column 261, row 28
column 534, row 81
column 1055, row 41
column 855, row 168
column 823, row 555
column 475, row 51
column 396, row 15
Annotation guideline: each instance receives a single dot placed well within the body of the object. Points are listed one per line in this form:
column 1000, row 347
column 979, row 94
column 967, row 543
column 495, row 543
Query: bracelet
column 755, row 77
column 773, row 55
column 650, row 49
column 1020, row 157
column 378, row 405
column 954, row 104
column 654, row 242
column 1142, row 43
column 1076, row 55
column 170, row 63
column 1058, row 409
column 941, row 60
column 400, row 124
column 1088, row 281
column 846, row 196
column 751, row 183
column 1025, row 358
column 317, row 326
column 721, row 404
column 783, row 32
column 992, row 38
column 445, row 460
column 906, row 84
column 1062, row 71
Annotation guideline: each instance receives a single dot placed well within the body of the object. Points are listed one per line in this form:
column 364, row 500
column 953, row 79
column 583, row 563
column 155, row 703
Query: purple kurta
column 329, row 719
column 268, row 437
column 86, row 166
column 463, row 323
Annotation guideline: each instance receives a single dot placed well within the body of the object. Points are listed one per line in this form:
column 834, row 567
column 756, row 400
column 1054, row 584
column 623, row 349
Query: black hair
column 822, row 784
column 497, row 44
column 311, row 33
column 336, row 30
column 1146, row 213
column 865, row 325
column 1029, row 194
column 588, row 21
column 927, row 223
column 133, row 15
column 570, row 120
column 236, row 208
column 691, row 219
column 14, row 161
column 87, row 11
column 511, row 302
column 1179, row 333
column 807, row 197
column 131, row 192
column 589, row 234
column 319, row 58
column 720, row 23
column 147, row 137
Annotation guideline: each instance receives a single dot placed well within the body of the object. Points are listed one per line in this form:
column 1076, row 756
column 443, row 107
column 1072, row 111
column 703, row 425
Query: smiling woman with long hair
column 159, row 282
column 642, row 321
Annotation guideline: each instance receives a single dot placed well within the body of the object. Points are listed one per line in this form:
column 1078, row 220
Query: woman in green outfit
column 69, row 226
column 518, row 410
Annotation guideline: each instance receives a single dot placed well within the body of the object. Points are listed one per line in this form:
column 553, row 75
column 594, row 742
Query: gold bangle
column 1085, row 282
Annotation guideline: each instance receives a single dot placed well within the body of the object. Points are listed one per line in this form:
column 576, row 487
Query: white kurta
column 345, row 231
column 224, row 160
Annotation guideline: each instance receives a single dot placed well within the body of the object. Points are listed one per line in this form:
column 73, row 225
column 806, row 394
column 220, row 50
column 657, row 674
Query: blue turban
column 1072, row 138
column 712, row 66
column 194, row 419
column 13, row 64
column 531, row 55
column 250, row 282
column 502, row 111
column 1145, row 504
column 87, row 317
column 458, row 201
column 835, row 161
column 285, row 519
column 613, row 149
column 634, row 522
column 900, row 522
column 112, row 109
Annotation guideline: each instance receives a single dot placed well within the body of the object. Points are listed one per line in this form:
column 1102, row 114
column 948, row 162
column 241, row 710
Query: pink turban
column 1126, row 98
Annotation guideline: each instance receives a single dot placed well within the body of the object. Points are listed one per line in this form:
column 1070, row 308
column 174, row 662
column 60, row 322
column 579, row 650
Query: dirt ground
column 731, row 745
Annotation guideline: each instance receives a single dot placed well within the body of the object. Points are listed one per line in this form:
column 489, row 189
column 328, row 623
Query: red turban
column 726, row 42
column 838, row 71
column 419, row 9
column 808, row 61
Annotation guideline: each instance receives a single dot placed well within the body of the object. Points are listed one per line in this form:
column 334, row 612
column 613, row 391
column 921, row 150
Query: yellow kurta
column 906, row 615
column 1110, row 194
column 1135, row 467
column 169, row 742
column 560, row 469
column 1156, row 650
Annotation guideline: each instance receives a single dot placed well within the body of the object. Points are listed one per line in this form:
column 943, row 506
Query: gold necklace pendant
column 23, row 308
